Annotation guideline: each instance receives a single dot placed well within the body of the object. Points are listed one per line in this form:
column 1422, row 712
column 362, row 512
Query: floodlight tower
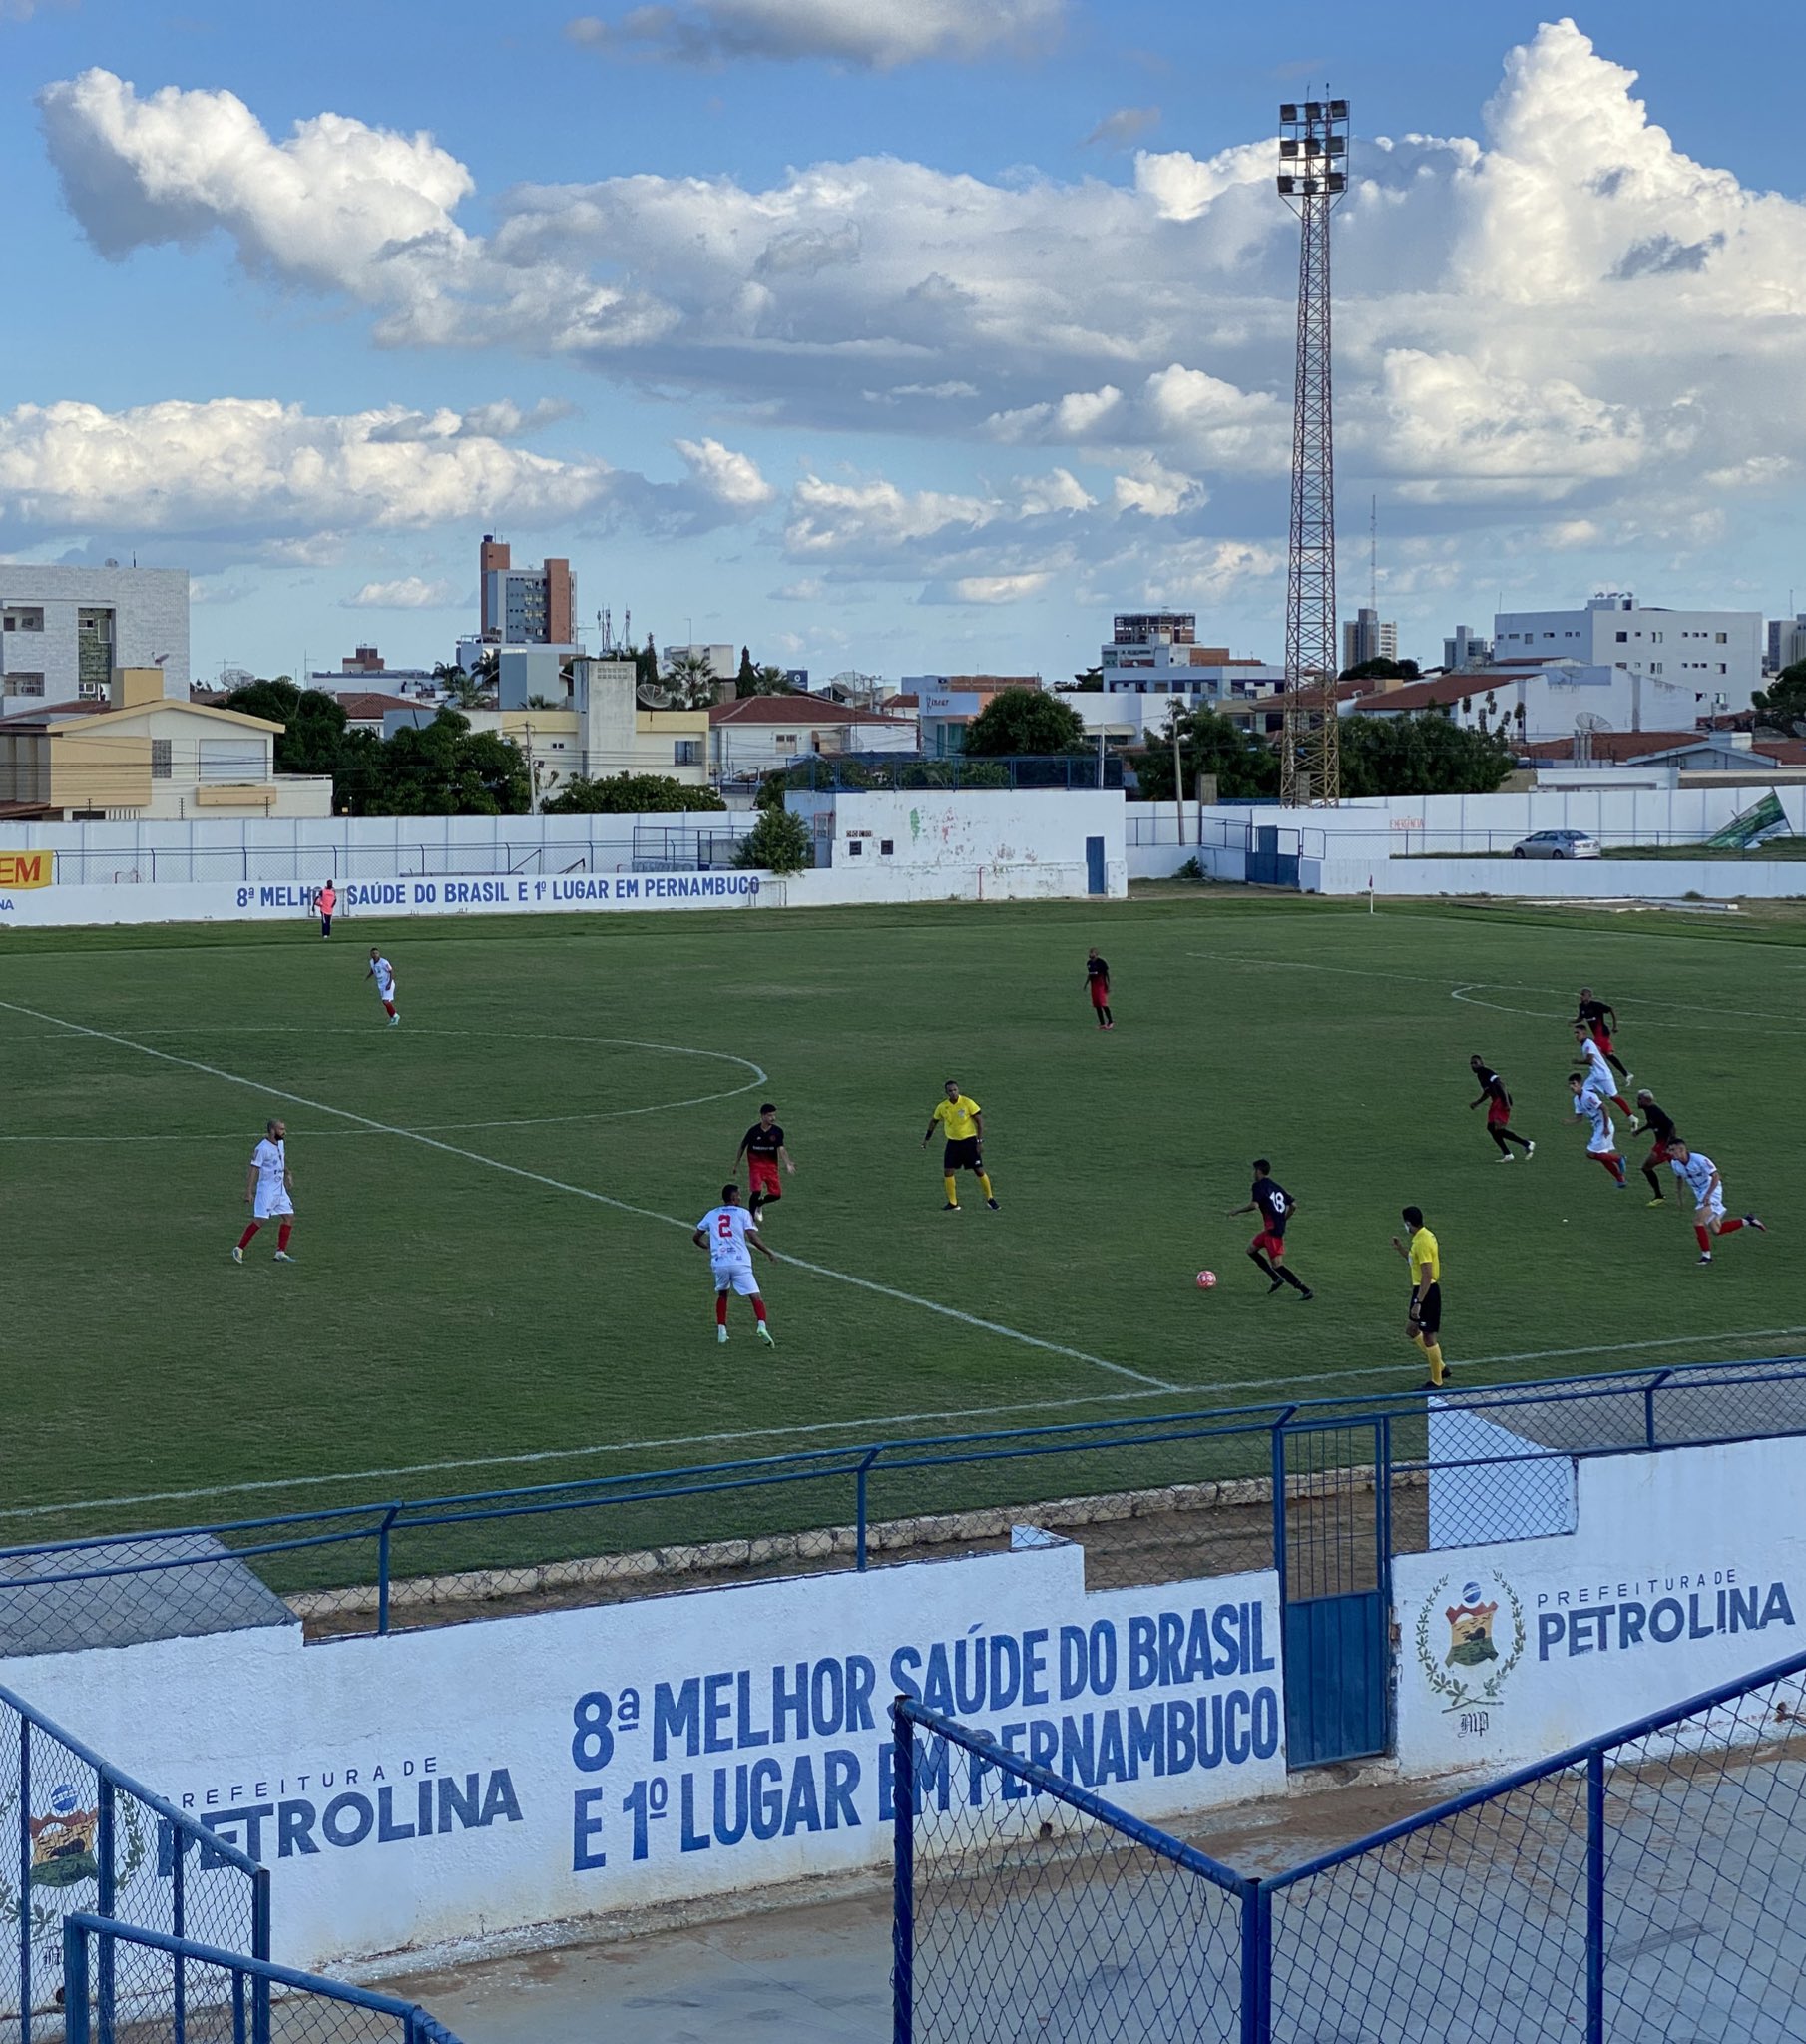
column 1313, row 174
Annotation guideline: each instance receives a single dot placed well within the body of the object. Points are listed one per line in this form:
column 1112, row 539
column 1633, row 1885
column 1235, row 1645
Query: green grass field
column 468, row 1295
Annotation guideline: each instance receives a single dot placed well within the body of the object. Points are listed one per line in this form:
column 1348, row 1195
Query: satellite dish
column 1590, row 720
column 653, row 696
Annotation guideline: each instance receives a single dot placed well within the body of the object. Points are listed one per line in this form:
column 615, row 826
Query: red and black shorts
column 1270, row 1244
column 1603, row 1037
column 762, row 1173
column 1658, row 1150
column 1099, row 993
column 1496, row 1113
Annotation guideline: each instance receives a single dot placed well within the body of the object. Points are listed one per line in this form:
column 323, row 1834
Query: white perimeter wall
column 983, row 846
column 473, row 1779
column 680, row 1746
column 1687, row 1568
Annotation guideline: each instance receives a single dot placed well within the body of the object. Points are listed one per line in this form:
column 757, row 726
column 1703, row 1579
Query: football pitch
column 495, row 1285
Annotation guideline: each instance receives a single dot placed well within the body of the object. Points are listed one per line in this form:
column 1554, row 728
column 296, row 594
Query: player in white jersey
column 383, row 973
column 1696, row 1171
column 729, row 1233
column 270, row 1191
column 1601, row 1139
column 1600, row 1075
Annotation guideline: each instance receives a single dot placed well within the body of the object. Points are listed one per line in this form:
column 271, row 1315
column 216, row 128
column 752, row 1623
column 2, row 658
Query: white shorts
column 1712, row 1208
column 387, row 993
column 734, row 1277
column 271, row 1205
column 1597, row 1148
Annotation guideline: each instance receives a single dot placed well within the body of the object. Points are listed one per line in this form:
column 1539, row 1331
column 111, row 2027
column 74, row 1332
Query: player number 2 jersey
column 726, row 1228
column 271, row 1160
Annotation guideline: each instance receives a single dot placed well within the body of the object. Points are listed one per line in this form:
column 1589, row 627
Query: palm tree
column 690, row 678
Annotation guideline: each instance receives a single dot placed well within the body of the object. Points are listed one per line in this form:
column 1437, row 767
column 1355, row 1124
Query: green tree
column 447, row 770
column 1025, row 720
column 358, row 773
column 1782, row 705
column 690, row 678
column 1210, row 743
column 1088, row 681
column 1428, row 754
column 747, row 674
column 313, row 722
column 768, row 681
column 777, row 843
column 629, row 795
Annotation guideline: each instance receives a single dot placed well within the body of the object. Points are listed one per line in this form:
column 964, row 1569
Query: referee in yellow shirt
column 962, row 1122
column 1422, row 1321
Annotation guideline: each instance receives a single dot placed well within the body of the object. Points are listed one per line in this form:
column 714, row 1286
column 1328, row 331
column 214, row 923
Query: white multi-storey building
column 63, row 631
column 1367, row 635
column 1156, row 653
column 1715, row 654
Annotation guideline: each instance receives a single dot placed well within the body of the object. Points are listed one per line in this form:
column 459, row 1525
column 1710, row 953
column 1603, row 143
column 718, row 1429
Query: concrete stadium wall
column 510, row 1772
column 976, row 843
column 1587, row 879
column 441, row 1785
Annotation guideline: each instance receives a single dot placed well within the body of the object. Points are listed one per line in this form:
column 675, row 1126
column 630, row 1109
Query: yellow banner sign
column 27, row 869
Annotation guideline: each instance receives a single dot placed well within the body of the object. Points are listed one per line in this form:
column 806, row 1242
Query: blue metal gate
column 1332, row 1539
column 1093, row 865
column 1268, row 866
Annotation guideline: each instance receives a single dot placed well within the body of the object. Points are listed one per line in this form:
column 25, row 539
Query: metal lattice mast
column 1313, row 159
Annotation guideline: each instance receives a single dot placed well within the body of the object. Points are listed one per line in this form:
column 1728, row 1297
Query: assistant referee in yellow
column 962, row 1123
column 1423, row 1320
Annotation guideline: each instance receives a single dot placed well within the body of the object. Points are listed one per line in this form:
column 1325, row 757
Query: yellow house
column 139, row 755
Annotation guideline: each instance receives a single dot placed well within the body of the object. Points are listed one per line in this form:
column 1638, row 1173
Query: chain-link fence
column 1156, row 1498
column 124, row 1981
column 79, row 1833
column 1649, row 1886
column 1028, row 1908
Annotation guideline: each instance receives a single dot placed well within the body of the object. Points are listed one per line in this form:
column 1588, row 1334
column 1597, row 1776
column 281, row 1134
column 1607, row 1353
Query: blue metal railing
column 249, row 1986
column 1696, row 1404
column 160, row 1859
column 1645, row 1882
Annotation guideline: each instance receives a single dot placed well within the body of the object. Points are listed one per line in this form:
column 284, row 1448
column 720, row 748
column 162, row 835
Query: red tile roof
column 367, row 706
column 1618, row 745
column 55, row 712
column 805, row 711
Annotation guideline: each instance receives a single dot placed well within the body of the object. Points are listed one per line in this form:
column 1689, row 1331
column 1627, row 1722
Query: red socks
column 388, row 1007
column 1612, row 1163
column 720, row 1309
column 284, row 1233
column 244, row 1238
column 759, row 1308
column 1729, row 1227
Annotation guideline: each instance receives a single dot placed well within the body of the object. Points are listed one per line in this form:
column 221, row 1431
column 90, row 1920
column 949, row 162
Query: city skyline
column 885, row 338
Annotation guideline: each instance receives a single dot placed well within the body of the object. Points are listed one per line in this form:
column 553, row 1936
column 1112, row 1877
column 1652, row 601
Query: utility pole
column 1313, row 174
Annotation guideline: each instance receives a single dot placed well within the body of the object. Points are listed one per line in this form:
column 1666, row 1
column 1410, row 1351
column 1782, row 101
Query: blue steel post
column 259, row 1913
column 107, row 1840
column 1649, row 1391
column 870, row 1456
column 1596, row 1896
column 74, row 1988
column 1257, row 1964
column 24, row 1869
column 903, row 1880
column 179, row 1925
column 239, row 2036
column 382, row 1569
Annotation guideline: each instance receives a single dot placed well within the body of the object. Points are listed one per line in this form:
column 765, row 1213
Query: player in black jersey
column 1498, row 1109
column 1274, row 1205
column 762, row 1146
column 1599, row 1020
column 1660, row 1124
column 1096, row 985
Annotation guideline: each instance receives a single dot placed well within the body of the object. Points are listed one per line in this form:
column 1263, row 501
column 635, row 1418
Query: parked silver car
column 1557, row 844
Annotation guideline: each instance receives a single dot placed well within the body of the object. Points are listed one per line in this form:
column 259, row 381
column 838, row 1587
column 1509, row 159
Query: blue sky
column 907, row 338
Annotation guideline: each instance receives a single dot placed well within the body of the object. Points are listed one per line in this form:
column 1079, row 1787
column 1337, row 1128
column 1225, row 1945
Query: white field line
column 585, row 1193
column 877, row 1427
column 760, row 1077
column 1461, row 989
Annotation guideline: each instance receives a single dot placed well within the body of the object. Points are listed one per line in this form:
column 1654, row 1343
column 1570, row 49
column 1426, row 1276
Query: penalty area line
column 558, row 1185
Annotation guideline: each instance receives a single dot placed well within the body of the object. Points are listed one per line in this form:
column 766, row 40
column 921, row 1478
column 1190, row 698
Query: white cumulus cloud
column 407, row 593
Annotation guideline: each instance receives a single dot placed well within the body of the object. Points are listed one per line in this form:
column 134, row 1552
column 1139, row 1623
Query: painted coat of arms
column 1468, row 1665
